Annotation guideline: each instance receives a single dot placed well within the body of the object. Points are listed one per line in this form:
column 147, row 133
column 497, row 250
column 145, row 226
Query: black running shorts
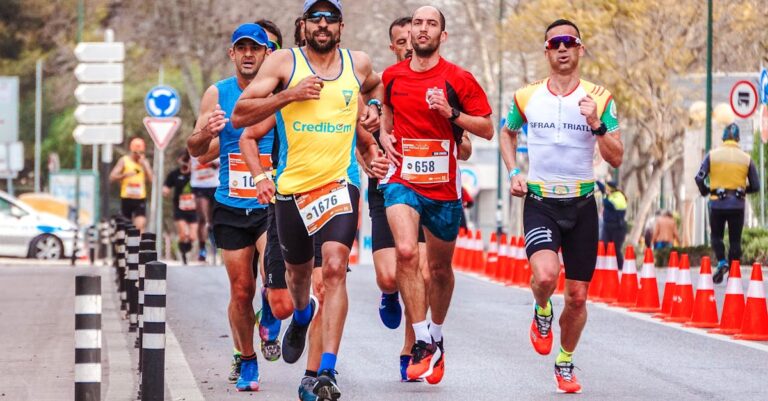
column 131, row 208
column 297, row 246
column 381, row 234
column 236, row 228
column 204, row 192
column 274, row 268
column 568, row 223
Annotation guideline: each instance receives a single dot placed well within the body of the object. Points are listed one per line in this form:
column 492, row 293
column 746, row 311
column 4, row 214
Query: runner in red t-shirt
column 429, row 102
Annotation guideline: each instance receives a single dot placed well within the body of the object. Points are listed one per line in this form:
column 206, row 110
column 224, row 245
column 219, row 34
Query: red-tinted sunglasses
column 569, row 41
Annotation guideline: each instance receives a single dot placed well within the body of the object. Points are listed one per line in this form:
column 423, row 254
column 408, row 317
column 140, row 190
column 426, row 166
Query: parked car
column 25, row 232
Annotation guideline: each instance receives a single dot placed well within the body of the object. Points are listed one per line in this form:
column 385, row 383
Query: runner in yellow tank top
column 317, row 194
column 133, row 172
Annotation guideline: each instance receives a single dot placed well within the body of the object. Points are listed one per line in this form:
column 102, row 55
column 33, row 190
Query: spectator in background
column 664, row 231
column 614, row 214
column 184, row 205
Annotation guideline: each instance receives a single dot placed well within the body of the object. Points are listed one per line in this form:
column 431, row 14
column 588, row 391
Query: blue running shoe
column 305, row 389
column 390, row 311
column 405, row 360
column 325, row 386
column 202, row 256
column 249, row 376
column 269, row 325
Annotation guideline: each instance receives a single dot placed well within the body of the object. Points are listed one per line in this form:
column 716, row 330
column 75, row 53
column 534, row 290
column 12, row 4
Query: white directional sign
column 95, row 93
column 99, row 73
column 162, row 129
column 743, row 99
column 99, row 114
column 9, row 109
column 100, row 52
column 99, row 134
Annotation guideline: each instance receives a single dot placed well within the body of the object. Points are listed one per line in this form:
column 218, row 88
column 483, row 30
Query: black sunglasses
column 315, row 17
column 569, row 41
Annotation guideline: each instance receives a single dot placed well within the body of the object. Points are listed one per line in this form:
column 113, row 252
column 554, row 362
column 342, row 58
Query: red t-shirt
column 426, row 139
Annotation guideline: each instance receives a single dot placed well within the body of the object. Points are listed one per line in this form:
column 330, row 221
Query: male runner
column 184, row 215
column 239, row 219
column 429, row 103
column 317, row 174
column 204, row 180
column 134, row 172
column 566, row 117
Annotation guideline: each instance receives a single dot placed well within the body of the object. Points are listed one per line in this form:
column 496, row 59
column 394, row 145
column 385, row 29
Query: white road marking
column 120, row 368
column 178, row 375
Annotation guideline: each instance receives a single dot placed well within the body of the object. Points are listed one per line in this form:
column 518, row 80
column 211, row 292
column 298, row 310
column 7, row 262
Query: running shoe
column 541, row 332
column 565, row 379
column 249, row 376
column 202, row 256
column 439, row 370
column 405, row 360
column 325, row 387
column 305, row 389
column 234, row 369
column 390, row 311
column 295, row 336
column 269, row 330
column 424, row 357
column 720, row 270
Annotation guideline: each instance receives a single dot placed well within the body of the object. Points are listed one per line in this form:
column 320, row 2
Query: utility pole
column 38, row 120
column 499, row 182
column 708, row 120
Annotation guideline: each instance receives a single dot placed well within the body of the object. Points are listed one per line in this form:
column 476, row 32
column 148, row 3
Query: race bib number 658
column 319, row 206
column 425, row 161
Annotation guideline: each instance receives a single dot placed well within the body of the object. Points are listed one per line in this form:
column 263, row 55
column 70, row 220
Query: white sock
column 421, row 329
column 436, row 331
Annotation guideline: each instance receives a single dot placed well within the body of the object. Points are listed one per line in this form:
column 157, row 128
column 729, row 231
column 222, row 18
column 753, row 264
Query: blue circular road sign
column 763, row 90
column 162, row 101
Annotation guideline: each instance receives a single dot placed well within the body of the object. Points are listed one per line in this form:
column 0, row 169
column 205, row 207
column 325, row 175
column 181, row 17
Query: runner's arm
column 144, row 163
column 753, row 179
column 481, row 126
column 375, row 164
column 207, row 124
column 371, row 88
column 465, row 149
column 212, row 154
column 702, row 175
column 116, row 173
column 611, row 148
column 385, row 135
column 508, row 142
column 249, row 144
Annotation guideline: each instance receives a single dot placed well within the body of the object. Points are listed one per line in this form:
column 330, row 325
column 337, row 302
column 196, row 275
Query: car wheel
column 46, row 247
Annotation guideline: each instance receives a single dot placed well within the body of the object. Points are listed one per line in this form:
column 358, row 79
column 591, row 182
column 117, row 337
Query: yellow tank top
column 317, row 137
column 728, row 167
column 133, row 187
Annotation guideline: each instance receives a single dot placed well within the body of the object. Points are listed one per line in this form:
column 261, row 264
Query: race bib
column 319, row 206
column 241, row 183
column 187, row 202
column 425, row 161
column 133, row 190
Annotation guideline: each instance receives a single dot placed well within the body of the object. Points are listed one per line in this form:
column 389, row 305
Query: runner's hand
column 518, row 186
column 216, row 121
column 588, row 109
column 380, row 166
column 439, row 103
column 370, row 118
column 307, row 89
column 265, row 191
column 388, row 144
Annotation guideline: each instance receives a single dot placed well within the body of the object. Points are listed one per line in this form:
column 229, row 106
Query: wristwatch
column 375, row 102
column 600, row 131
column 454, row 114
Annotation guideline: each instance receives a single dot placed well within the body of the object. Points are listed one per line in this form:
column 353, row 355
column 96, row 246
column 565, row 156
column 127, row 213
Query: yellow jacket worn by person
column 731, row 174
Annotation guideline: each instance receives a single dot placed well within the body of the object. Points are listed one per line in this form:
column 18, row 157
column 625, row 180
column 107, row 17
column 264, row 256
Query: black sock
column 201, row 245
column 248, row 358
column 310, row 373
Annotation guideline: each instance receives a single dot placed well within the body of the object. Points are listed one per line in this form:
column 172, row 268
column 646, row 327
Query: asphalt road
column 621, row 356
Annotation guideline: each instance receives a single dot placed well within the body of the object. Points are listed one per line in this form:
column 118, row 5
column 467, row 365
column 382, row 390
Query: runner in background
column 204, row 180
column 134, row 173
column 184, row 205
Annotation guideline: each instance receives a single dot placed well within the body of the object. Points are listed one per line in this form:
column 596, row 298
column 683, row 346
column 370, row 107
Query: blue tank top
column 236, row 188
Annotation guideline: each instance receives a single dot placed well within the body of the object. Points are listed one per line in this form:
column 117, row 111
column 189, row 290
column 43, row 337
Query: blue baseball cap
column 309, row 3
column 250, row 31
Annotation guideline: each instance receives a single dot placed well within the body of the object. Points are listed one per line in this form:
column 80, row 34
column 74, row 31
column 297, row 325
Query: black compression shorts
column 297, row 246
column 236, row 228
column 568, row 223
column 274, row 265
column 381, row 234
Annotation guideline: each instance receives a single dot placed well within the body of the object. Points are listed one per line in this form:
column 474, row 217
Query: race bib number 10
column 241, row 183
column 425, row 161
column 319, row 206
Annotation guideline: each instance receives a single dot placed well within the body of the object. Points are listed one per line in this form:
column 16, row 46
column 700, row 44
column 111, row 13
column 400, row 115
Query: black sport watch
column 454, row 114
column 600, row 131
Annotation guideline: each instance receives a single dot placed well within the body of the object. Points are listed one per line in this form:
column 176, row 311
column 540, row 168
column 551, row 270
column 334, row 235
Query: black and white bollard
column 153, row 335
column 104, row 247
column 87, row 338
column 121, row 265
column 132, row 277
column 147, row 254
column 93, row 238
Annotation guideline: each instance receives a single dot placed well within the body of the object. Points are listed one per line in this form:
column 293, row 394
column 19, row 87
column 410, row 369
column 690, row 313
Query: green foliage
column 695, row 253
column 754, row 246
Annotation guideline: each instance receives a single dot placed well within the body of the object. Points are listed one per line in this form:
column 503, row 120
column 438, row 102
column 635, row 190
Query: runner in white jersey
column 204, row 179
column 566, row 118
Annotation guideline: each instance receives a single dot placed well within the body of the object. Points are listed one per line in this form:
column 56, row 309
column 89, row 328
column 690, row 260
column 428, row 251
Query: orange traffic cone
column 502, row 264
column 628, row 287
column 609, row 290
column 648, row 293
column 733, row 306
column 477, row 256
column 354, row 254
column 492, row 261
column 457, row 250
column 561, row 277
column 669, row 285
column 704, row 307
column 509, row 271
column 682, row 302
column 596, row 283
column 755, row 324
column 520, row 263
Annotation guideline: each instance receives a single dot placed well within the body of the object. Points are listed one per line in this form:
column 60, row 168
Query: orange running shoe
column 565, row 379
column 541, row 332
column 424, row 358
column 439, row 370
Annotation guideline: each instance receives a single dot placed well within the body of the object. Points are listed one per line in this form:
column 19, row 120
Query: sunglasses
column 315, row 17
column 273, row 46
column 569, row 41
